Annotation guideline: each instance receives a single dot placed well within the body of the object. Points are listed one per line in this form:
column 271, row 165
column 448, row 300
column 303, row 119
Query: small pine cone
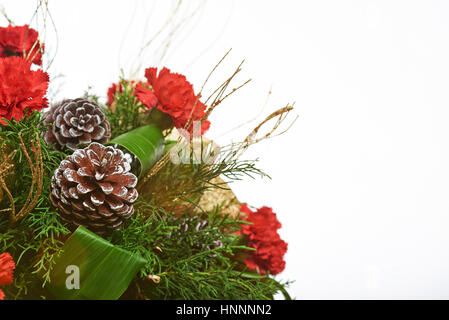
column 94, row 188
column 76, row 121
column 197, row 224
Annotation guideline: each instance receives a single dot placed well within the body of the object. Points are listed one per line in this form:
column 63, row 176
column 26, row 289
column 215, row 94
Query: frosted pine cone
column 74, row 122
column 94, row 188
column 198, row 224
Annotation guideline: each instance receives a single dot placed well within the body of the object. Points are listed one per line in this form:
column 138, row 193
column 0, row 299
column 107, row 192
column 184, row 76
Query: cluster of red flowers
column 170, row 93
column 7, row 267
column 20, row 87
column 263, row 236
column 21, row 41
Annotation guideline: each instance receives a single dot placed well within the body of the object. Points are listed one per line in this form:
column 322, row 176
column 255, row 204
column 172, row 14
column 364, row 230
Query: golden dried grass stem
column 10, row 198
column 213, row 70
column 3, row 13
column 5, row 167
column 220, row 95
column 43, row 10
column 281, row 114
column 37, row 176
column 27, row 156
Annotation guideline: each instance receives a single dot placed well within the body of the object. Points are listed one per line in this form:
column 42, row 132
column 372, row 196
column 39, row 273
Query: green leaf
column 146, row 143
column 105, row 271
column 252, row 275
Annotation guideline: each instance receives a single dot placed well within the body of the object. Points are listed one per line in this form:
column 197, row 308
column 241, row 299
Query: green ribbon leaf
column 104, row 271
column 146, row 143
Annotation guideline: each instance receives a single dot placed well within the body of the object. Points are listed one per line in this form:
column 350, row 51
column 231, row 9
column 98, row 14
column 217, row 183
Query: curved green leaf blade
column 105, row 271
column 146, row 143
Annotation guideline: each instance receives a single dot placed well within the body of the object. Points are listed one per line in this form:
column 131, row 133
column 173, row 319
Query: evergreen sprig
column 188, row 265
column 178, row 185
column 127, row 112
column 33, row 241
column 181, row 263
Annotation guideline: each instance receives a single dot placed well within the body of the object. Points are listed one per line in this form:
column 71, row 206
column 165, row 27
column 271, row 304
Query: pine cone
column 76, row 121
column 196, row 223
column 94, row 188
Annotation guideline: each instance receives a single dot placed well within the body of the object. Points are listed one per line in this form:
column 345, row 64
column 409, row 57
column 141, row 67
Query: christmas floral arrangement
column 125, row 199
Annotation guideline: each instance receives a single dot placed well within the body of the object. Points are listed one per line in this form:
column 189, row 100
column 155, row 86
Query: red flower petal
column 263, row 236
column 21, row 88
column 172, row 94
column 21, row 41
column 146, row 96
column 7, row 267
column 111, row 93
column 117, row 88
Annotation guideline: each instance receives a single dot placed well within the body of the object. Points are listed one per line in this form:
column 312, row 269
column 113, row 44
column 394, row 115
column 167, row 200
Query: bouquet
column 127, row 198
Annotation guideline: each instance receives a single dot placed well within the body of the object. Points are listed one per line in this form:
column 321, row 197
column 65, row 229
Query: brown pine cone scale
column 94, row 188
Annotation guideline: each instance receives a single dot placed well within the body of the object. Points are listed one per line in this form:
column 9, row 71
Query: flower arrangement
column 126, row 199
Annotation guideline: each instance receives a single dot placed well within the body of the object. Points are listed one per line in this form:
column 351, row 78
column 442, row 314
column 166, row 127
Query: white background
column 361, row 181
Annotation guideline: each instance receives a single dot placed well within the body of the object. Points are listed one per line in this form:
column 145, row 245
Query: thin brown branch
column 37, row 176
column 281, row 115
column 33, row 172
column 10, row 198
column 5, row 167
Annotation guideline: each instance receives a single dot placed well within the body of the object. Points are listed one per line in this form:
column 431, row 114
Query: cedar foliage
column 185, row 270
column 127, row 112
column 34, row 240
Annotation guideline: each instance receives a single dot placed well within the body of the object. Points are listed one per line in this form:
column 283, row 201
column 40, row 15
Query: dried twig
column 281, row 115
column 6, row 167
column 41, row 12
column 3, row 13
column 37, row 176
column 217, row 97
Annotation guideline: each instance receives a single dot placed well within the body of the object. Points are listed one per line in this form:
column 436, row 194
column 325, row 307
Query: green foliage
column 178, row 184
column 126, row 113
column 179, row 263
column 146, row 143
column 106, row 270
column 187, row 263
column 35, row 239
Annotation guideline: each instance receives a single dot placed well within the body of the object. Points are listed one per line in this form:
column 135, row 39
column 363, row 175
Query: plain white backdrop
column 361, row 181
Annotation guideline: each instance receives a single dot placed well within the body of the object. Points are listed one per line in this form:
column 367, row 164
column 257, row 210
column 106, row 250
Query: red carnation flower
column 7, row 267
column 21, row 88
column 263, row 236
column 21, row 41
column 172, row 94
